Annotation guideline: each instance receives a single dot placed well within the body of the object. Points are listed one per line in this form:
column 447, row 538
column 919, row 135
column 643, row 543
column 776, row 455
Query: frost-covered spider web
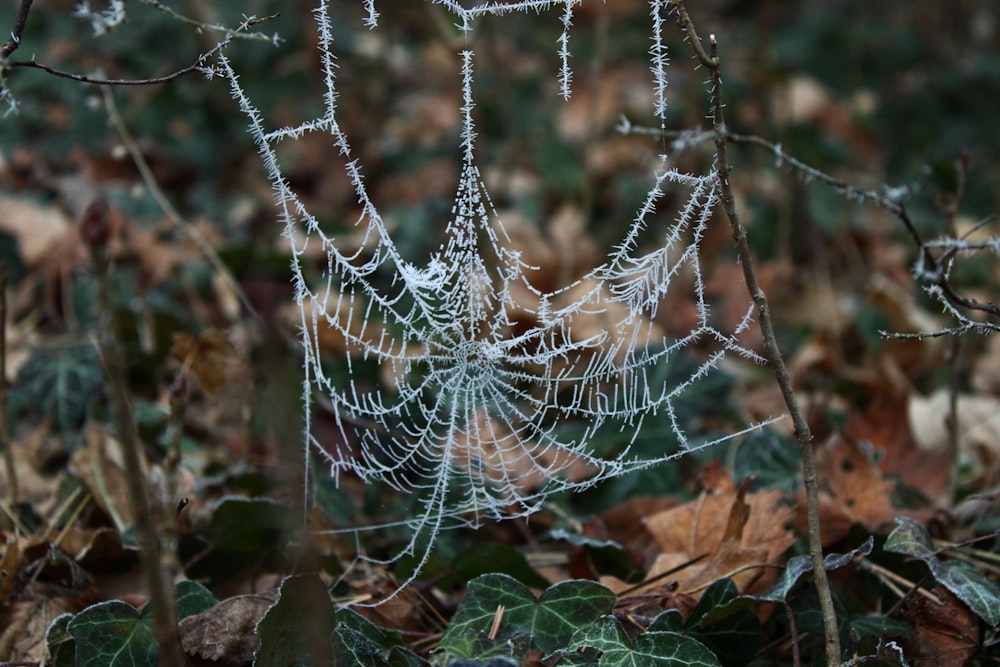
column 473, row 423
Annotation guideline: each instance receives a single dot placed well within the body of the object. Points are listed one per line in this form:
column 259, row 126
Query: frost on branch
column 481, row 417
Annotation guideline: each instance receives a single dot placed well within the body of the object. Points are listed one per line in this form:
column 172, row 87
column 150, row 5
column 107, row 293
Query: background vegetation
column 897, row 94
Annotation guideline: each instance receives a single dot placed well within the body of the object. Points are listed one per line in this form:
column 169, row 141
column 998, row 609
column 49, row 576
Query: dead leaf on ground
column 10, row 566
column 225, row 633
column 742, row 536
column 36, row 228
column 208, row 356
column 978, row 430
column 945, row 635
column 100, row 466
column 853, row 490
column 886, row 424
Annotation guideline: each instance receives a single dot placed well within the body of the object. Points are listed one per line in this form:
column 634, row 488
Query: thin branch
column 197, row 66
column 215, row 27
column 16, row 34
column 8, row 453
column 771, row 349
column 935, row 270
column 94, row 230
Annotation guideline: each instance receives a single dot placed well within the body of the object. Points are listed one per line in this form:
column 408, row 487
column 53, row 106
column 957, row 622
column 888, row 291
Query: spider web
column 472, row 424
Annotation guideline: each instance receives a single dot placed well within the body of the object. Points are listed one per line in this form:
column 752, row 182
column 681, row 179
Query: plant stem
column 771, row 349
column 8, row 453
column 161, row 592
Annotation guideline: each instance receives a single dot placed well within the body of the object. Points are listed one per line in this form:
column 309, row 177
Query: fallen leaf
column 854, row 489
column 208, row 356
column 740, row 535
column 886, row 425
column 978, row 430
column 10, row 566
column 100, row 466
column 945, row 635
column 36, row 228
column 225, row 633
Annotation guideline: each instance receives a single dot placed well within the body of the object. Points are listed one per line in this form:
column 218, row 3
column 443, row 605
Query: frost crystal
column 472, row 423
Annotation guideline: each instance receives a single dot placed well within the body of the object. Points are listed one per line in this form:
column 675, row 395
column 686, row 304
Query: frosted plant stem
column 771, row 349
column 161, row 592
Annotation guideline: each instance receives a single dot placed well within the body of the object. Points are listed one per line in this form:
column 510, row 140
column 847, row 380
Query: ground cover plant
column 622, row 325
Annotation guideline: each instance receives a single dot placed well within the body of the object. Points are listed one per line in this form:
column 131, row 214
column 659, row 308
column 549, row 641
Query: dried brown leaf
column 100, row 466
column 225, row 633
column 854, row 489
column 208, row 356
column 945, row 635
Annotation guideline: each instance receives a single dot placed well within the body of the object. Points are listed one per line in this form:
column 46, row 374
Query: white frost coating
column 658, row 61
column 473, row 427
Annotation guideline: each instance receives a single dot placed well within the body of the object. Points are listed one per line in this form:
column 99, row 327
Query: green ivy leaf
column 389, row 644
column 733, row 637
column 800, row 565
column 113, row 634
column 772, row 460
column 62, row 650
column 663, row 649
column 486, row 557
column 193, row 598
column 548, row 623
column 60, row 384
column 671, row 620
column 352, row 648
column 249, row 525
column 299, row 627
column 967, row 583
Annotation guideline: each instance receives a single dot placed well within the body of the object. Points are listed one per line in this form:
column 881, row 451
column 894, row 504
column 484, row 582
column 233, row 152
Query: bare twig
column 18, row 31
column 771, row 349
column 242, row 31
column 934, row 271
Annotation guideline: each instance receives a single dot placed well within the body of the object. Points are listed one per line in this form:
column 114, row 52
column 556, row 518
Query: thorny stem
column 161, row 592
column 771, row 349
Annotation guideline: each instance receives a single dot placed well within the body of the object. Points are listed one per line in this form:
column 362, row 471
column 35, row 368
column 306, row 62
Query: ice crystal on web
column 472, row 423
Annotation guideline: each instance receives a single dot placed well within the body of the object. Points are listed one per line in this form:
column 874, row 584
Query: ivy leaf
column 62, row 650
column 193, row 598
column 967, row 583
column 549, row 622
column 664, row 649
column 299, row 626
column 113, row 634
column 800, row 565
column 733, row 638
column 485, row 558
column 60, row 384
